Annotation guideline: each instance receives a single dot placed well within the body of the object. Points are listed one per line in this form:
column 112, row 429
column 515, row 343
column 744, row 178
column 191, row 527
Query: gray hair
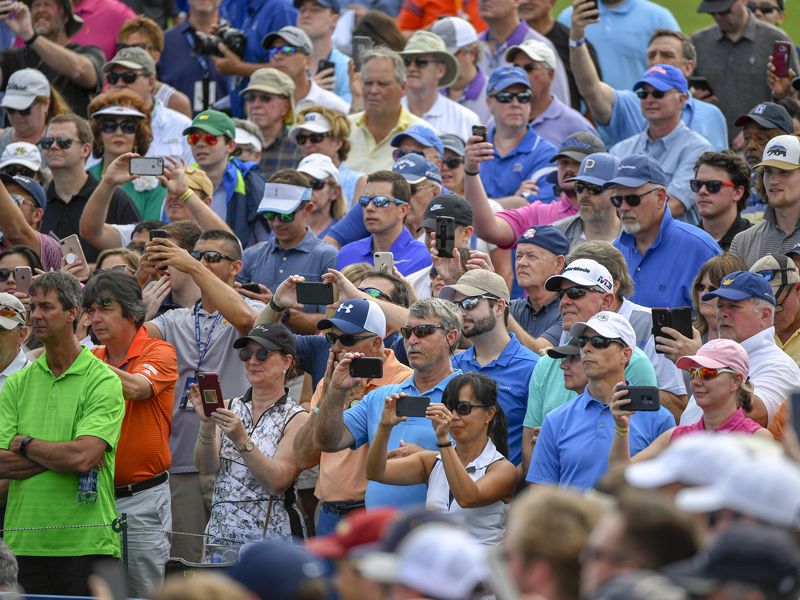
column 611, row 258
column 760, row 304
column 8, row 569
column 445, row 311
column 389, row 54
column 66, row 285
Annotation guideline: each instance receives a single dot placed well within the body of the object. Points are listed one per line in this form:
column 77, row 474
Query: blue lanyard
column 202, row 350
column 200, row 58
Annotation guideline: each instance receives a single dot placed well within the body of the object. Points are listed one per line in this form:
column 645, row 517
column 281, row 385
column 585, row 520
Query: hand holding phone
column 368, row 367
column 384, row 261
column 147, row 165
column 22, row 279
column 781, row 53
column 72, row 251
column 315, row 293
column 643, row 398
column 411, row 406
column 210, row 392
column 480, row 131
column 445, row 236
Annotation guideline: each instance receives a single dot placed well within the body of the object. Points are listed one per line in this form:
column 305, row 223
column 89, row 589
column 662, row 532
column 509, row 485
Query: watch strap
column 23, row 445
column 447, row 444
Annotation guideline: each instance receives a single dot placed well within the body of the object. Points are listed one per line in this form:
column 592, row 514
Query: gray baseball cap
column 294, row 36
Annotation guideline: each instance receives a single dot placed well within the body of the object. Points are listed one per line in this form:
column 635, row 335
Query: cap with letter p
column 597, row 169
column 782, row 152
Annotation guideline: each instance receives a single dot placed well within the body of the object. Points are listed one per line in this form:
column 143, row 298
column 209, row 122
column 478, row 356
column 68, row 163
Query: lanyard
column 200, row 58
column 203, row 350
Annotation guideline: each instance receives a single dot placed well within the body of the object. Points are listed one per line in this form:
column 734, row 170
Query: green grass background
column 685, row 12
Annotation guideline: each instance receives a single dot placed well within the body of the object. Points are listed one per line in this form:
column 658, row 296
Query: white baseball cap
column 313, row 122
column 584, row 271
column 283, row 198
column 23, row 87
column 12, row 312
column 22, row 153
column 782, row 152
column 608, row 324
column 535, row 50
column 245, row 138
column 319, row 167
column 456, row 33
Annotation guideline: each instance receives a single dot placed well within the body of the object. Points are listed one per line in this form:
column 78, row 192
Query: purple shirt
column 474, row 97
column 537, row 213
column 559, row 122
column 736, row 422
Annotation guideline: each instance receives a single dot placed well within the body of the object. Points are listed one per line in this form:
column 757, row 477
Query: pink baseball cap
column 718, row 354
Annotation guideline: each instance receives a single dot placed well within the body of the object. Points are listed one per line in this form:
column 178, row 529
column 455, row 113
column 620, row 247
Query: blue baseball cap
column 504, row 77
column 416, row 169
column 29, row 185
column 334, row 5
column 636, row 170
column 664, row 78
column 741, row 285
column 597, row 169
column 357, row 316
column 424, row 135
column 547, row 237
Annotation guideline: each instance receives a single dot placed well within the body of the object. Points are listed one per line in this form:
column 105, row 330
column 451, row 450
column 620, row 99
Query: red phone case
column 780, row 58
column 210, row 392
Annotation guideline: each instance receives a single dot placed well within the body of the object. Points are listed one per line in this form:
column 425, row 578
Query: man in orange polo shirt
column 148, row 370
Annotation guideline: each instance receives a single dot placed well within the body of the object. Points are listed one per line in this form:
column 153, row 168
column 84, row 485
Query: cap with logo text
column 636, row 170
column 416, row 169
column 585, row 272
column 447, row 205
column 769, row 116
column 23, row 87
column 272, row 336
column 578, row 146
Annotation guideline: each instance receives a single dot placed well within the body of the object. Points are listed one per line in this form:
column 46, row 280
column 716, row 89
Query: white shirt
column 773, row 372
column 168, row 138
column 321, row 96
column 20, row 362
column 447, row 116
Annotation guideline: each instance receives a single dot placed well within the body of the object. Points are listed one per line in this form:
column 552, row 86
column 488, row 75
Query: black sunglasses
column 376, row 293
column 345, row 339
column 420, row 62
column 575, row 292
column 314, row 138
column 64, row 143
column 317, row 184
column 589, row 188
column 111, row 125
column 701, row 288
column 23, row 112
column 598, row 341
column 420, row 331
column 265, row 98
column 212, row 256
column 246, row 354
column 507, row 97
column 5, row 274
column 453, row 163
column 632, row 200
column 399, row 153
column 657, row 94
column 712, row 185
column 465, row 408
column 127, row 77
column 766, row 9
column 122, row 268
column 14, row 170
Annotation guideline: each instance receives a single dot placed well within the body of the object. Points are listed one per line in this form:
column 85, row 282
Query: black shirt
column 63, row 218
column 740, row 224
column 559, row 35
column 76, row 95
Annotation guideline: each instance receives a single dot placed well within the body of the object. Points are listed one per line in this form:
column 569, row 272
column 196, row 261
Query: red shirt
column 418, row 14
column 736, row 422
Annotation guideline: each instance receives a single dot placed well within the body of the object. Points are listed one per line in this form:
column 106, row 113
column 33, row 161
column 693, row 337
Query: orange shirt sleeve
column 778, row 421
column 411, row 16
column 160, row 366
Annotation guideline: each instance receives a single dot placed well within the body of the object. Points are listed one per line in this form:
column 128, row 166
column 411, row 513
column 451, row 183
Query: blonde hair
column 340, row 126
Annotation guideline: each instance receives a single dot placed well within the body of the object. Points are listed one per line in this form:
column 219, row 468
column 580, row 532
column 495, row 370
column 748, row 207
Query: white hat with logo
column 23, row 87
column 584, row 271
column 782, row 152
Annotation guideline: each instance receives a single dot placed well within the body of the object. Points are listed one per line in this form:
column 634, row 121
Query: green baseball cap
column 215, row 123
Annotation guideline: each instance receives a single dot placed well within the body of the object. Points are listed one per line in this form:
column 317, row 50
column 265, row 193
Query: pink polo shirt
column 101, row 22
column 537, row 213
column 736, row 422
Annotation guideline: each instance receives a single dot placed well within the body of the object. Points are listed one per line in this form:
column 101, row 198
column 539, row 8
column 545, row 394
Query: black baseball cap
column 447, row 205
column 715, row 6
column 272, row 336
column 571, row 348
column 579, row 145
column 768, row 115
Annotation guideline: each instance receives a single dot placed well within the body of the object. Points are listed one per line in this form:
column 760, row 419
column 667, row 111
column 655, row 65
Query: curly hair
column 340, row 126
column 144, row 133
column 147, row 27
column 734, row 165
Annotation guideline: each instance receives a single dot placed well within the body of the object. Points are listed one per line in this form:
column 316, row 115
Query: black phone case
column 679, row 318
column 643, row 399
column 445, row 236
column 412, row 406
column 368, row 367
column 315, row 293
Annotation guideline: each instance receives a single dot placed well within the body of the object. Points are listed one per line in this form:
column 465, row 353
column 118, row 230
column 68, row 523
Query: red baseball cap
column 359, row 528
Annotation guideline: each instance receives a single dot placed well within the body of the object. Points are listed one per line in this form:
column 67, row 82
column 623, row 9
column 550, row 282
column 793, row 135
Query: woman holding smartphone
column 248, row 445
column 469, row 476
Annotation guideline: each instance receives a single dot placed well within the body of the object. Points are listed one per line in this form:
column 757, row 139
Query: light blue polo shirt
column 676, row 154
column 627, row 120
column 342, row 76
column 664, row 275
column 410, row 255
column 512, row 372
column 573, row 445
column 362, row 421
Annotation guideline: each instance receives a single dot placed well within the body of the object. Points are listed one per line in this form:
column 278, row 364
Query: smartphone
column 72, row 251
column 480, row 130
column 210, row 392
column 795, row 407
column 156, row 234
column 644, row 398
column 367, row 367
column 384, row 261
column 22, row 278
column 361, row 44
column 700, row 83
column 251, row 287
column 147, row 165
column 679, row 318
column 315, row 293
column 445, row 236
column 325, row 64
column 781, row 51
column 411, row 406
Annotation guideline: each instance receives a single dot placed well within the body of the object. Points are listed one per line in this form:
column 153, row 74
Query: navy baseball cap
column 769, row 116
column 597, row 169
column 447, row 205
column 357, row 316
column 29, row 185
column 504, row 77
column 547, row 237
column 664, row 78
column 416, row 169
column 424, row 135
column 636, row 170
column 332, row 4
column 741, row 285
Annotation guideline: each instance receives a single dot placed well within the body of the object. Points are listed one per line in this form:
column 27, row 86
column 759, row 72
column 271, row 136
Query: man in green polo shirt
column 60, row 422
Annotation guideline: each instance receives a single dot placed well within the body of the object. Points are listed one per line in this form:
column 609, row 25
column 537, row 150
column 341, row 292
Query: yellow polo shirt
column 368, row 154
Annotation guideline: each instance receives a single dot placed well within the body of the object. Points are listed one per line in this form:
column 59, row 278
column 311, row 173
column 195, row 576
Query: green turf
column 686, row 13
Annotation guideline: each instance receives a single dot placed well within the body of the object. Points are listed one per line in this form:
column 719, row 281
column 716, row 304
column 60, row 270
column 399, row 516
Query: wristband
column 23, row 445
column 185, row 195
column 447, row 444
column 470, row 173
column 577, row 43
column 621, row 432
column 273, row 306
column 29, row 43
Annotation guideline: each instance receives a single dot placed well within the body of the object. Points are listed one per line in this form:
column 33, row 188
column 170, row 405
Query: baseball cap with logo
column 597, row 169
column 416, row 169
column 585, row 272
column 214, row 122
column 132, row 58
column 741, row 285
column 12, row 312
column 636, row 170
column 779, row 270
column 21, row 153
column 664, row 78
column 23, row 87
column 456, row 33
column 579, row 145
column 768, row 115
column 272, row 336
column 608, row 324
column 357, row 316
column 294, row 36
column 422, row 134
column 447, row 205
column 477, row 282
column 535, row 50
column 547, row 237
column 319, row 166
column 313, row 122
column 782, row 152
column 504, row 77
column 272, row 81
column 29, row 185
column 283, row 198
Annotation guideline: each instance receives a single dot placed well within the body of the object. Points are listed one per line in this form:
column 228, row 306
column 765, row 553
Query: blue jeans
column 327, row 521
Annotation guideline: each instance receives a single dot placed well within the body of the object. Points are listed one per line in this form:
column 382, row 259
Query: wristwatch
column 247, row 446
column 447, row 444
column 23, row 445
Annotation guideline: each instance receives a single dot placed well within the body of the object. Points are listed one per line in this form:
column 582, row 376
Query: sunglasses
column 575, row 292
column 209, row 138
column 127, row 77
column 657, row 94
column 705, row 373
column 64, row 143
column 317, row 184
column 465, row 408
column 530, row 68
column 103, row 301
column 375, row 293
column 14, row 170
column 5, row 274
column 701, row 288
column 507, row 97
column 315, row 138
column 399, row 153
column 246, row 354
column 212, row 256
column 9, row 312
column 379, row 201
column 598, row 341
column 420, row 331
column 418, row 61
column 632, row 200
column 23, row 113
column 111, row 125
column 285, row 50
column 712, row 185
column 766, row 9
column 453, row 163
column 271, row 216
column 589, row 188
column 20, row 200
column 122, row 268
column 265, row 98
column 472, row 302
column 345, row 339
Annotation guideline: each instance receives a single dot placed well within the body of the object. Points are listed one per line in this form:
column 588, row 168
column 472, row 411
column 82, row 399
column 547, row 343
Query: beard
column 631, row 228
column 480, row 326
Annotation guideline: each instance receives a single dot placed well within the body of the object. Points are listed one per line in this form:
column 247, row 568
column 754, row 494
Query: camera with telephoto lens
column 234, row 39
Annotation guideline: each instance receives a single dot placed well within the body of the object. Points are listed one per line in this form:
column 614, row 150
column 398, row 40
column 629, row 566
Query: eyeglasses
column 453, row 163
column 376, row 293
column 712, row 185
column 212, row 256
column 23, row 113
column 317, row 184
column 285, row 50
column 315, row 138
column 265, row 98
column 589, row 188
column 420, row 331
column 64, row 143
column 378, row 201
column 127, row 77
column 657, row 94
column 5, row 274
column 209, row 138
column 9, row 312
column 632, row 200
column 418, row 61
column 111, row 125
column 271, row 216
column 345, row 339
column 103, row 301
column 766, row 9
column 472, row 302
column 122, row 268
column 530, row 67
column 507, row 97
column 598, row 341
column 705, row 373
column 465, row 408
column 701, row 288
column 575, row 292
column 20, row 200
column 246, row 354
column 14, row 170
column 399, row 153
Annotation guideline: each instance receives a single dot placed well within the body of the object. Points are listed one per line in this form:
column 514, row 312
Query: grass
column 685, row 11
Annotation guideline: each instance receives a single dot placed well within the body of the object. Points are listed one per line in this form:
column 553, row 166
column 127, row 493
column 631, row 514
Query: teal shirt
column 546, row 391
column 148, row 202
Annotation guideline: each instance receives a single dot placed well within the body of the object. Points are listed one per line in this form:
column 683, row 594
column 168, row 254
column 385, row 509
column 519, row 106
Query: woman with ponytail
column 469, row 476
